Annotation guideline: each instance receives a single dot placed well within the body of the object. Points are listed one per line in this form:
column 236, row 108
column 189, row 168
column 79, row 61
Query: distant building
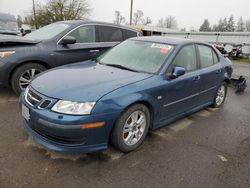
column 152, row 30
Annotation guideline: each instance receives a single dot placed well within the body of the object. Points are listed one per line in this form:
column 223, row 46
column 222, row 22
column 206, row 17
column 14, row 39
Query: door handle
column 94, row 51
column 197, row 78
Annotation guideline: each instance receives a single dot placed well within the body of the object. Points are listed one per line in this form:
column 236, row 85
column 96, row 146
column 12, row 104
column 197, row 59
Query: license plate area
column 25, row 112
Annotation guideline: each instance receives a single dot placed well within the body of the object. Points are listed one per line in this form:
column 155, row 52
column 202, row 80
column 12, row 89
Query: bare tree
column 138, row 17
column 119, row 19
column 147, row 21
column 59, row 10
column 168, row 22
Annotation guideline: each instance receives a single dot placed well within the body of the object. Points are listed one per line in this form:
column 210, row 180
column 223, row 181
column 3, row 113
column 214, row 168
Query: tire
column 121, row 134
column 27, row 72
column 220, row 96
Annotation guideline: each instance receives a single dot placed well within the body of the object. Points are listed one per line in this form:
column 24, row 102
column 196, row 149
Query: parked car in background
column 8, row 24
column 60, row 43
column 141, row 84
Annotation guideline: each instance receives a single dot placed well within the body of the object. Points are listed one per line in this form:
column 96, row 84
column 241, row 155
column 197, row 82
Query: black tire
column 117, row 135
column 215, row 103
column 20, row 71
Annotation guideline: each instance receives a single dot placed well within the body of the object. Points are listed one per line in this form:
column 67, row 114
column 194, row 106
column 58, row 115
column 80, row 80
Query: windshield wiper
column 119, row 66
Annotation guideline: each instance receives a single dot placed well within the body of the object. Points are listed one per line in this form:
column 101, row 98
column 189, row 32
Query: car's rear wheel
column 220, row 95
column 23, row 75
column 131, row 128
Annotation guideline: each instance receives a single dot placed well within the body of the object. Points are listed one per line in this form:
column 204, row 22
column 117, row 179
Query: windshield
column 138, row 56
column 8, row 25
column 48, row 32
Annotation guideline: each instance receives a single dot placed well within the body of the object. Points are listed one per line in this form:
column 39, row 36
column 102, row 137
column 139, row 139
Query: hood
column 85, row 81
column 12, row 40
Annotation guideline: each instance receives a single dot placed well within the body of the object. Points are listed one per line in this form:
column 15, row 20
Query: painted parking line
column 202, row 113
column 180, row 125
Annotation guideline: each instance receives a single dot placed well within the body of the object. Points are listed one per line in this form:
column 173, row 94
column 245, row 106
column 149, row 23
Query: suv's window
column 128, row 34
column 109, row 34
column 186, row 58
column 206, row 56
column 84, row 34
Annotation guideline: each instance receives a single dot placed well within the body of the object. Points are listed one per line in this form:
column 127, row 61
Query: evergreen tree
column 205, row 26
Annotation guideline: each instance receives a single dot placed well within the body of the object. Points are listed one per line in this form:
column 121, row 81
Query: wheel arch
column 46, row 65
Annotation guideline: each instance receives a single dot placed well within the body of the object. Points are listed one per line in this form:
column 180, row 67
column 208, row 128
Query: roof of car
column 166, row 40
column 80, row 22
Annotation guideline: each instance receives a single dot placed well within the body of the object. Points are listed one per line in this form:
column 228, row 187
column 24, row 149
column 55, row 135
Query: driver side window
column 186, row 58
column 84, row 34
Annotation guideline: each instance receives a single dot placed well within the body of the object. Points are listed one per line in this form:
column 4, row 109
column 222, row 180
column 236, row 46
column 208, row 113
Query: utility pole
column 131, row 12
column 34, row 12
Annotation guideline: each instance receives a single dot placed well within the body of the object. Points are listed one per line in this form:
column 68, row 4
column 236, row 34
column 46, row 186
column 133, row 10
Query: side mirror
column 177, row 72
column 68, row 40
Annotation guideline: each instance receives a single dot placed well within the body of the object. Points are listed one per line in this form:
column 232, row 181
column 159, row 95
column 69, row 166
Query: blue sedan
column 141, row 84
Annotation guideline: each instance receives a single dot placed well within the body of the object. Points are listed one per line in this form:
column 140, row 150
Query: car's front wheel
column 23, row 75
column 131, row 128
column 220, row 95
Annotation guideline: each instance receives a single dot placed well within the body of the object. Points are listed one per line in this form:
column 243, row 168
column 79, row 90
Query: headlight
column 6, row 54
column 73, row 108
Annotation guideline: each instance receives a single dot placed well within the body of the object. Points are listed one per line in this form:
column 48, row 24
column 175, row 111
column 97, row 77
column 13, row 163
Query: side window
column 215, row 56
column 84, row 34
column 206, row 56
column 109, row 34
column 128, row 34
column 186, row 58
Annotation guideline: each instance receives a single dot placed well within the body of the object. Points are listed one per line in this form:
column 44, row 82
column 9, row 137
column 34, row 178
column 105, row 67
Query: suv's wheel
column 220, row 95
column 23, row 75
column 131, row 128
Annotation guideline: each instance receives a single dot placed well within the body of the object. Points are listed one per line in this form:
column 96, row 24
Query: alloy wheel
column 134, row 128
column 27, row 77
column 220, row 95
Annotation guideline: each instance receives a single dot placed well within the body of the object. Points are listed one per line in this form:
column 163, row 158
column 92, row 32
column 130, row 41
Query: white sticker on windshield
column 157, row 45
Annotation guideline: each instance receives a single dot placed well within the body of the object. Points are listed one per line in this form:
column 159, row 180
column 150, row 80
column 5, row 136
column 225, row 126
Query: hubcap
column 220, row 95
column 26, row 77
column 134, row 128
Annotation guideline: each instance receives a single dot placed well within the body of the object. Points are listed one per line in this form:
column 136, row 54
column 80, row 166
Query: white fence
column 228, row 38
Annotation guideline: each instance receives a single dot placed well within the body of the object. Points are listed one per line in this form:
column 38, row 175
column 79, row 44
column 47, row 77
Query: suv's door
column 211, row 73
column 182, row 94
column 85, row 47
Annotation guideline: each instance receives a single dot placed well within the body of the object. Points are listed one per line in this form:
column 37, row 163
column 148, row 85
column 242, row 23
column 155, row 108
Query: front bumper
column 62, row 133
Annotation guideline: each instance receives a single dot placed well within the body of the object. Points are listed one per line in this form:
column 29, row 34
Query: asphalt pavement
column 210, row 148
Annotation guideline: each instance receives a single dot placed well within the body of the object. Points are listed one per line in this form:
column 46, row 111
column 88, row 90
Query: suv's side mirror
column 177, row 72
column 68, row 40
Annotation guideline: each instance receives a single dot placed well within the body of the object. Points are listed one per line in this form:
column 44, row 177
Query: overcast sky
column 189, row 13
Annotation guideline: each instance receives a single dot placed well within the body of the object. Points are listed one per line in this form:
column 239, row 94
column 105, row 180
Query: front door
column 85, row 48
column 181, row 94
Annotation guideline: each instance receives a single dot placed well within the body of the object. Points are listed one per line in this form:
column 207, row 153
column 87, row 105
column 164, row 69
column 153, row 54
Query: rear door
column 181, row 94
column 211, row 72
column 85, row 48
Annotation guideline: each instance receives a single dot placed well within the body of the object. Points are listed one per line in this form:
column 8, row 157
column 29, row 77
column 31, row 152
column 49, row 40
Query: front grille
column 33, row 98
column 45, row 104
column 37, row 100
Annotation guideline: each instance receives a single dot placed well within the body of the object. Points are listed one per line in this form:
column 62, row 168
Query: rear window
column 109, row 34
column 128, row 34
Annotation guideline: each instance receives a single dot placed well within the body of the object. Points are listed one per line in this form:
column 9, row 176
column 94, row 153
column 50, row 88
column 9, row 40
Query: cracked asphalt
column 210, row 148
